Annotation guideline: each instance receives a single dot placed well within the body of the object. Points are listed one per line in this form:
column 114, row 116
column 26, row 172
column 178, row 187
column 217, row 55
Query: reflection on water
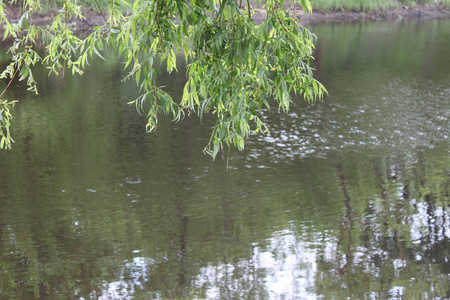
column 347, row 198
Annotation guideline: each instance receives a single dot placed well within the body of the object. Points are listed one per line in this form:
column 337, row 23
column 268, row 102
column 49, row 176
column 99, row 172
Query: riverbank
column 417, row 12
column 422, row 12
column 395, row 12
column 361, row 10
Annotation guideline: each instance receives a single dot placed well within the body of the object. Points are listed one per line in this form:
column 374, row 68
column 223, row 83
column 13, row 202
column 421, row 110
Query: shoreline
column 345, row 16
column 424, row 12
column 404, row 13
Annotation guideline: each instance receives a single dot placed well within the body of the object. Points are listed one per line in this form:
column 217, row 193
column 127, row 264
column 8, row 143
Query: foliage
column 234, row 65
column 5, row 123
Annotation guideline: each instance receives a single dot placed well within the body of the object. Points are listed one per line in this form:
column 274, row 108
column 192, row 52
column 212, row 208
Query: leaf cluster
column 235, row 66
column 5, row 123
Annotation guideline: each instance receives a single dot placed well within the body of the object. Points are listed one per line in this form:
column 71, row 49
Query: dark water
column 345, row 199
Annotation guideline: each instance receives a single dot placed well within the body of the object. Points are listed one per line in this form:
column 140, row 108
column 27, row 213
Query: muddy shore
column 417, row 12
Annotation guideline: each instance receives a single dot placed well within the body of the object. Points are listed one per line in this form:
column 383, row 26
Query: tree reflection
column 402, row 249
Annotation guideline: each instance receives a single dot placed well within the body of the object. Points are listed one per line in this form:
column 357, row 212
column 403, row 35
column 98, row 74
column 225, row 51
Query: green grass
column 353, row 5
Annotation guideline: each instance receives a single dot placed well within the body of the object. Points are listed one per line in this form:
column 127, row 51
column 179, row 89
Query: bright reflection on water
column 344, row 199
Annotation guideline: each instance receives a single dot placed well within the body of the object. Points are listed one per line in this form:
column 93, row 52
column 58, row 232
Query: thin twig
column 158, row 28
column 67, row 31
column 101, row 11
column 9, row 83
column 282, row 24
column 220, row 6
column 158, row 3
column 228, row 156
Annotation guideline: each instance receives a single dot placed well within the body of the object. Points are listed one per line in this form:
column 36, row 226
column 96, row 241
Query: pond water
column 345, row 199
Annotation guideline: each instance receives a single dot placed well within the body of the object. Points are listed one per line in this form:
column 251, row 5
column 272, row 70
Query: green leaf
column 97, row 53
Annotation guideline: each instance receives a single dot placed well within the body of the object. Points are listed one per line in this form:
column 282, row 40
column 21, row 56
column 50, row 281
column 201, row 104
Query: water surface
column 345, row 199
